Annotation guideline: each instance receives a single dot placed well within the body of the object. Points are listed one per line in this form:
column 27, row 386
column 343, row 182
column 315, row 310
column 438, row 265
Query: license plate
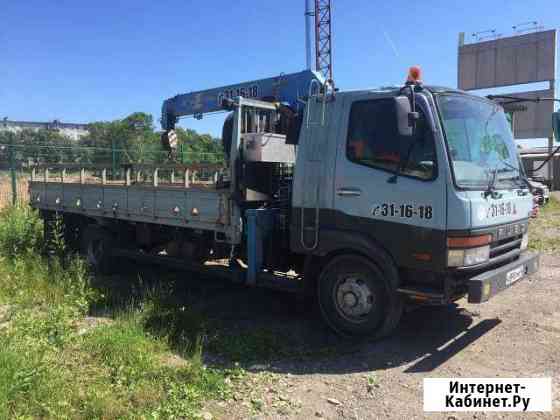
column 515, row 275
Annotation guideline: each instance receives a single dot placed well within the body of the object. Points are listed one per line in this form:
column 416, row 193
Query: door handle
column 349, row 192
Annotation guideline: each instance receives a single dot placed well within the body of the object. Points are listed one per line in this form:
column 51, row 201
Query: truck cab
column 432, row 215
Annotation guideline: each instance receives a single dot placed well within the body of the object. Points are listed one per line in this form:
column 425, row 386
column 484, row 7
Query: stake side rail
column 171, row 195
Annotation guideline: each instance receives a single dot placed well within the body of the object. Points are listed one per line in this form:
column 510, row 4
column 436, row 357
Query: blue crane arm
column 284, row 88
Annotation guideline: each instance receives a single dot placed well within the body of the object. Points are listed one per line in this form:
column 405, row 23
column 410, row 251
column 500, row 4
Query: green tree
column 40, row 146
column 134, row 138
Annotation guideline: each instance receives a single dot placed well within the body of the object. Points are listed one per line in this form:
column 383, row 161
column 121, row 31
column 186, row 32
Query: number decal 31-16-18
column 407, row 211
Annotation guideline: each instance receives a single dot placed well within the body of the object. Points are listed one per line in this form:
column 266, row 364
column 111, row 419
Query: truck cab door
column 403, row 213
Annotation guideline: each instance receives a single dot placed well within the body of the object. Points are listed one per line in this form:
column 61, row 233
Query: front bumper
column 485, row 285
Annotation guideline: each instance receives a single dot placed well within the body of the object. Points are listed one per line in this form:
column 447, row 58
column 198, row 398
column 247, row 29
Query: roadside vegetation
column 141, row 360
column 135, row 139
column 544, row 231
column 77, row 346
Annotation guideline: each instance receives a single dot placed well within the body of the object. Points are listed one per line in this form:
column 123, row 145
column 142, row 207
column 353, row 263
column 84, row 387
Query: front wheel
column 357, row 298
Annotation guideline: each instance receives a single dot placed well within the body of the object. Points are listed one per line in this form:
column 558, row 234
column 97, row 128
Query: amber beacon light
column 414, row 75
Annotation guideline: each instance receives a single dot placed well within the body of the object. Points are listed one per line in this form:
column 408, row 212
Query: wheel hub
column 354, row 297
column 350, row 300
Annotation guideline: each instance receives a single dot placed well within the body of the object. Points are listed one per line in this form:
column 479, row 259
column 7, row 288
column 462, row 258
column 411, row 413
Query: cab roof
column 395, row 90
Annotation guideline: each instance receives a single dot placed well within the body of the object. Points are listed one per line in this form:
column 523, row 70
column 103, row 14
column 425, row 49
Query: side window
column 373, row 140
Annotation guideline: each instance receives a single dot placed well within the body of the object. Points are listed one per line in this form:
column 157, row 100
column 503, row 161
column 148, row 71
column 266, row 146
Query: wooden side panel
column 72, row 197
column 171, row 205
column 114, row 200
column 54, row 196
column 203, row 206
column 187, row 207
column 141, row 203
column 37, row 194
column 92, row 197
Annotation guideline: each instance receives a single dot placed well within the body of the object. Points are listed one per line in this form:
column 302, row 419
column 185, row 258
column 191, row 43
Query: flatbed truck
column 367, row 200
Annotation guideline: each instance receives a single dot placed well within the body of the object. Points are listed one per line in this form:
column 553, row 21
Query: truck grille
column 504, row 246
column 506, row 239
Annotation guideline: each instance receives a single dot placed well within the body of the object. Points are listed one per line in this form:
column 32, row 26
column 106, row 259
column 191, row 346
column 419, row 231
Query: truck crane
column 367, row 200
column 288, row 89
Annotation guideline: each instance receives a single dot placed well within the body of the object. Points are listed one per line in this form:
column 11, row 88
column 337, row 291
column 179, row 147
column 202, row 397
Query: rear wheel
column 357, row 298
column 96, row 246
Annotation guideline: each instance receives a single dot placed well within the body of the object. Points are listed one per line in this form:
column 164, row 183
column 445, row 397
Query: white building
column 71, row 130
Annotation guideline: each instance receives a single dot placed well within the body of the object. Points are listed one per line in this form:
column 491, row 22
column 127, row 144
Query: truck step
column 220, row 271
column 277, row 281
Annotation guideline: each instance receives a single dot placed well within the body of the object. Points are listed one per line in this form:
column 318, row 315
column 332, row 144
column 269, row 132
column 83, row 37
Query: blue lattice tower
column 323, row 45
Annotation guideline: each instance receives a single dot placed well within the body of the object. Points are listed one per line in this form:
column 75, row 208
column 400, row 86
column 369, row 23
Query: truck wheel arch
column 334, row 243
column 341, row 243
column 377, row 321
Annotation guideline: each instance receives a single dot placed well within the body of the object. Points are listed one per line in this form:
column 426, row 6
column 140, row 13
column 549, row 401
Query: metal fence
column 17, row 162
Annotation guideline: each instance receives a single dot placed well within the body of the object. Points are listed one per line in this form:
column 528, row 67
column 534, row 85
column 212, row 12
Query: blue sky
column 83, row 61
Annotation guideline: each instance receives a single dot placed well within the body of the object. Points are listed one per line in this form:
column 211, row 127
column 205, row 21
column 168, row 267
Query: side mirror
column 556, row 125
column 406, row 118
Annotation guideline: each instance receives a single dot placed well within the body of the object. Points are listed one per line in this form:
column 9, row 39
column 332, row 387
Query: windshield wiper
column 509, row 165
column 490, row 189
column 520, row 174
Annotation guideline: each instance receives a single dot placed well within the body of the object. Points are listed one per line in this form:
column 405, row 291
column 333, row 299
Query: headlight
column 469, row 250
column 466, row 257
column 455, row 257
column 525, row 241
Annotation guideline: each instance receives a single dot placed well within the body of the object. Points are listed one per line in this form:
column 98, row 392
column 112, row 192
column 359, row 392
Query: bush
column 21, row 231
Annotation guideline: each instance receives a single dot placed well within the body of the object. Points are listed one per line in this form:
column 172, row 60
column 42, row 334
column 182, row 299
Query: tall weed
column 21, row 231
column 55, row 365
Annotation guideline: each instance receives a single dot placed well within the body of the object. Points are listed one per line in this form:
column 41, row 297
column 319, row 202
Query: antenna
column 308, row 14
column 487, row 34
column 531, row 26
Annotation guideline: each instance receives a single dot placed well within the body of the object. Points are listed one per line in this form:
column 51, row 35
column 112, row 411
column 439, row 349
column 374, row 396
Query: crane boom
column 283, row 88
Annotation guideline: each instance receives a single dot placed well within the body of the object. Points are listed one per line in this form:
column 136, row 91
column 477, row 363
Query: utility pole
column 113, row 159
column 308, row 14
column 554, row 183
column 550, row 166
column 12, row 157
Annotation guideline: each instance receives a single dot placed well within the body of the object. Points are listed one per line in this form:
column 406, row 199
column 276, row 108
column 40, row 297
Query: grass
column 53, row 366
column 544, row 231
column 260, row 344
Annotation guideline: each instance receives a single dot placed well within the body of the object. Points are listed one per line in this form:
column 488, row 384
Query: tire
column 358, row 298
column 96, row 246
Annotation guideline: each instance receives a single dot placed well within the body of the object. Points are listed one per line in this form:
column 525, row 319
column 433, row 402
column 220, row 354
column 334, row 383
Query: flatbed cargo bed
column 188, row 204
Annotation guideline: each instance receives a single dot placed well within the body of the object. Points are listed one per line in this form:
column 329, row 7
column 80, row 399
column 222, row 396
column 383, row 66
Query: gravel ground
column 516, row 334
column 308, row 372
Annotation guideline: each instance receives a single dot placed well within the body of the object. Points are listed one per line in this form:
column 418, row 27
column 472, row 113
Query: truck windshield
column 480, row 143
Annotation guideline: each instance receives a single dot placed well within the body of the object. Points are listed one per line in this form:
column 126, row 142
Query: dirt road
column 516, row 334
